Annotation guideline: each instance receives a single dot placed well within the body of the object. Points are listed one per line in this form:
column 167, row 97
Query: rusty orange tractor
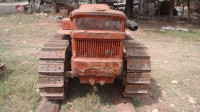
column 92, row 45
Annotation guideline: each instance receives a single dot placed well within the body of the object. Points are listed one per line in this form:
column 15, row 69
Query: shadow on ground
column 86, row 97
column 153, row 96
column 77, row 91
column 5, row 72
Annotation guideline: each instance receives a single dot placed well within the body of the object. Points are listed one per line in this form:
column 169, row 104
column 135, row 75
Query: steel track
column 53, row 63
column 138, row 68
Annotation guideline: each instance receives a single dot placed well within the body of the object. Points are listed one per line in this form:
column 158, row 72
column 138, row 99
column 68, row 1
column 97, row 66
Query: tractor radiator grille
column 99, row 48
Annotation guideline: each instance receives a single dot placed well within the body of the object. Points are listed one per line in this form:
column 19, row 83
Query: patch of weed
column 87, row 98
column 19, row 19
column 136, row 102
column 190, row 35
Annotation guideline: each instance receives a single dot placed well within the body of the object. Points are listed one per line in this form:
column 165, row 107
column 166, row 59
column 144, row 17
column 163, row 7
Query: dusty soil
column 174, row 57
column 21, row 37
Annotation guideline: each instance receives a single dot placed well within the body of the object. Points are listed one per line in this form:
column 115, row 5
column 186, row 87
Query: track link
column 53, row 62
column 137, row 67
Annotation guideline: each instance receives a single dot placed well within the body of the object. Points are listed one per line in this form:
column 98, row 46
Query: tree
column 129, row 8
column 183, row 4
column 77, row 4
column 30, row 6
column 189, row 10
column 54, row 9
column 171, row 10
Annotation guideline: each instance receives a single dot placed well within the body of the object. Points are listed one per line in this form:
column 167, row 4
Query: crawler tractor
column 93, row 46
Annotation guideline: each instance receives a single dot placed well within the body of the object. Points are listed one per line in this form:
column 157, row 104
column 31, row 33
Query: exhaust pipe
column 133, row 26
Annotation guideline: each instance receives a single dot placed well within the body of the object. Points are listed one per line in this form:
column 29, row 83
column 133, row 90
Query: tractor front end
column 97, row 43
column 92, row 45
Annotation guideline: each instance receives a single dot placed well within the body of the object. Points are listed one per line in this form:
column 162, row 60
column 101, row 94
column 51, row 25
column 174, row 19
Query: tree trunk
column 129, row 8
column 30, row 6
column 54, row 9
column 159, row 8
column 149, row 10
column 77, row 4
column 189, row 11
column 138, row 16
column 183, row 3
column 171, row 10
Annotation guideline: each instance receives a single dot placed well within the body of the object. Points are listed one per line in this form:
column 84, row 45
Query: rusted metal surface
column 137, row 78
column 51, row 68
column 65, row 32
column 98, row 54
column 98, row 24
column 96, row 79
column 138, row 64
column 97, row 34
column 105, row 67
column 99, row 6
column 57, row 55
column 50, row 81
column 92, row 48
column 97, row 43
column 137, row 51
column 66, row 25
column 97, row 10
column 96, row 70
column 97, row 46
column 52, row 92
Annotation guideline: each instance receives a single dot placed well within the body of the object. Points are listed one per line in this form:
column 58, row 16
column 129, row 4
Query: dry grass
column 20, row 39
column 19, row 49
column 87, row 98
column 175, row 56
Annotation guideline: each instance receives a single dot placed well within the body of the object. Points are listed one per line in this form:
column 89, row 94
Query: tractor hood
column 97, row 10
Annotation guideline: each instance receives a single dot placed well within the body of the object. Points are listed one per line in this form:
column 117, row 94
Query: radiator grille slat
column 98, row 48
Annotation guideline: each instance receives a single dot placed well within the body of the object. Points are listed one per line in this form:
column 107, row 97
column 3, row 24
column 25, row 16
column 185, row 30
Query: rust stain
column 97, row 34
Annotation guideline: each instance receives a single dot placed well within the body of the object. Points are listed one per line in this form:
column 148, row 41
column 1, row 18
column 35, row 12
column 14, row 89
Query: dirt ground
column 175, row 67
column 175, row 58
